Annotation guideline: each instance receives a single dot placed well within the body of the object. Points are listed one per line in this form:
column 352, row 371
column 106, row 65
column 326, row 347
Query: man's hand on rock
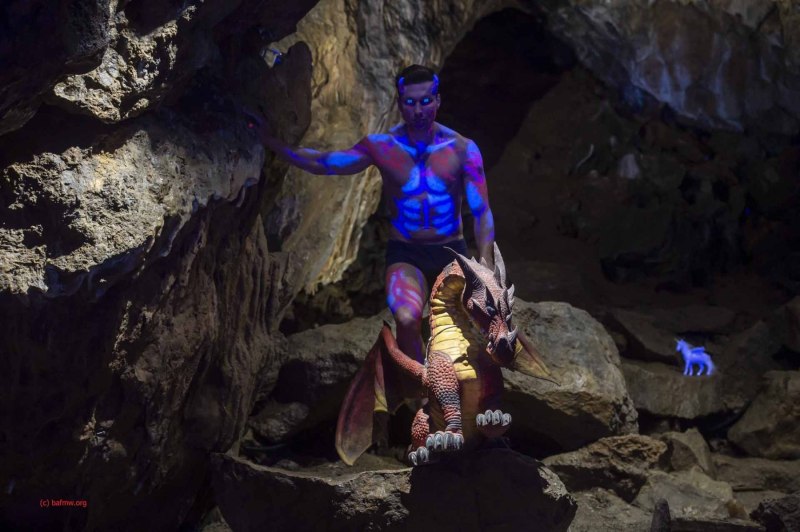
column 257, row 123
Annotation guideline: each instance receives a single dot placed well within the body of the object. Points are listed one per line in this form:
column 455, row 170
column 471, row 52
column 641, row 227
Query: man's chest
column 431, row 169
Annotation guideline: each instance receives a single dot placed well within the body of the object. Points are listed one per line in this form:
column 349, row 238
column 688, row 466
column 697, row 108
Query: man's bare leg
column 406, row 291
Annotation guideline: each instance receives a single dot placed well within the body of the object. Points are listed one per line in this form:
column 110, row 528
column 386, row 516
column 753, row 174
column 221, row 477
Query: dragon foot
column 445, row 441
column 493, row 424
column 420, row 457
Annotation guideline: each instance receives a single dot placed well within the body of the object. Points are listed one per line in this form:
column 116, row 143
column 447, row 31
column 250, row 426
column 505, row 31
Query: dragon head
column 488, row 302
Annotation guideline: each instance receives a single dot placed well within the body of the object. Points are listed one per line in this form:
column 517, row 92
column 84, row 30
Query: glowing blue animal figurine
column 694, row 356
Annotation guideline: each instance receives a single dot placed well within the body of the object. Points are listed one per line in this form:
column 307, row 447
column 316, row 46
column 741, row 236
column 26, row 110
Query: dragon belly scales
column 454, row 335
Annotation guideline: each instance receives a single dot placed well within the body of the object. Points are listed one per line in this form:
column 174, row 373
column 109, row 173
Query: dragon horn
column 499, row 266
column 512, row 335
column 510, row 295
column 470, row 274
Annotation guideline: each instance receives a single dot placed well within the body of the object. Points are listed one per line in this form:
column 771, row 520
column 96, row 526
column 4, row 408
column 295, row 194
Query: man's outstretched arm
column 478, row 199
column 344, row 162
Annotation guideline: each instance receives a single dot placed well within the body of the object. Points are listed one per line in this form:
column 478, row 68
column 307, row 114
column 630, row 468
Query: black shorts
column 429, row 258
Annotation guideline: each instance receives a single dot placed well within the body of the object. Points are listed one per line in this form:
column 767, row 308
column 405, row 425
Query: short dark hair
column 416, row 74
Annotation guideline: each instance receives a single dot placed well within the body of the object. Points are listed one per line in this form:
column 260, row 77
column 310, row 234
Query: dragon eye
column 491, row 310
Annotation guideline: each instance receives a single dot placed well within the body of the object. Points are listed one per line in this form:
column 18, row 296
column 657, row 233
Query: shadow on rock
column 489, row 490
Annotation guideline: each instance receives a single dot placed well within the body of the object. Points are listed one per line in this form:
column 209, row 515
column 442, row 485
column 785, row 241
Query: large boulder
column 758, row 474
column 688, row 449
column 316, row 368
column 769, row 427
column 663, row 390
column 651, row 333
column 477, row 491
column 600, row 510
column 591, row 401
column 779, row 514
column 617, row 463
column 691, row 494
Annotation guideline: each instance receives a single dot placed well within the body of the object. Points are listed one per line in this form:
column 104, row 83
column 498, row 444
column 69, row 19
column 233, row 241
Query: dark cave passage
column 489, row 81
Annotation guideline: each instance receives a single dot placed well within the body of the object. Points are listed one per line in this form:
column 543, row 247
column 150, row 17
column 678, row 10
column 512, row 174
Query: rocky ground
column 723, row 457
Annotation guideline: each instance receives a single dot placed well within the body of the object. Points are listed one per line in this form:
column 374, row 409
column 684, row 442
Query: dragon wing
column 529, row 361
column 378, row 386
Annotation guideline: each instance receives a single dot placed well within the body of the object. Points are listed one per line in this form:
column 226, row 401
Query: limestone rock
column 664, row 391
column 711, row 524
column 591, row 401
column 617, row 463
column 93, row 214
column 769, row 427
column 600, row 510
column 154, row 51
column 664, row 50
column 753, row 474
column 690, row 494
column 277, row 421
column 688, row 449
column 318, row 366
column 751, row 500
column 747, row 354
column 60, row 38
column 645, row 341
column 779, row 515
column 253, row 497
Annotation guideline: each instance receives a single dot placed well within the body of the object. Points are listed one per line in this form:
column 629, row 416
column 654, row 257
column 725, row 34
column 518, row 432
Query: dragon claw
column 419, row 457
column 444, row 441
column 493, row 423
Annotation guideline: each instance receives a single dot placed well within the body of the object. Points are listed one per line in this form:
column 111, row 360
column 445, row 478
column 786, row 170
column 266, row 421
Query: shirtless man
column 426, row 167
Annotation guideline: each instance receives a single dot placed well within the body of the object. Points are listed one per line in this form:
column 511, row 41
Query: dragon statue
column 472, row 338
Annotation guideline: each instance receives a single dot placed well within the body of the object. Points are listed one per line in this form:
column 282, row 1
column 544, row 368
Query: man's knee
column 408, row 319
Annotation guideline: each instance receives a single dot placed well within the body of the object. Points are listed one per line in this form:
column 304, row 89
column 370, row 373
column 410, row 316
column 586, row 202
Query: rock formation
column 150, row 248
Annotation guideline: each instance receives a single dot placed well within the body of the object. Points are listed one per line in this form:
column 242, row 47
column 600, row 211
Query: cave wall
column 149, row 247
column 720, row 64
column 138, row 295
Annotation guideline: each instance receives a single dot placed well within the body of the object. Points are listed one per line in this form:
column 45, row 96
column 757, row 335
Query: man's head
column 418, row 96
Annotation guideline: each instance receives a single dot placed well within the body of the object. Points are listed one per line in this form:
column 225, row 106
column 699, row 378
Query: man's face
column 418, row 105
